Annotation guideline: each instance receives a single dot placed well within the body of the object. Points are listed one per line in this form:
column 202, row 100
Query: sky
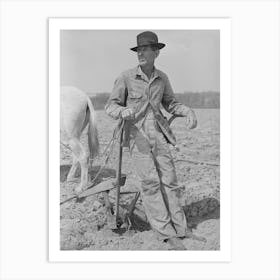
column 92, row 59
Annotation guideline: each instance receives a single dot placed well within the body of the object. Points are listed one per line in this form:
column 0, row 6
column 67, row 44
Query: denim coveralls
column 148, row 136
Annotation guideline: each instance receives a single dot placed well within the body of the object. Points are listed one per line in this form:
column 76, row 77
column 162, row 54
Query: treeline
column 209, row 99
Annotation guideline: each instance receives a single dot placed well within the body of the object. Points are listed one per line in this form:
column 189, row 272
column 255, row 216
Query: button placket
column 149, row 87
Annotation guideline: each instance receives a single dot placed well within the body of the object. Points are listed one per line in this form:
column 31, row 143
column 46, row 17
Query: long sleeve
column 169, row 102
column 116, row 102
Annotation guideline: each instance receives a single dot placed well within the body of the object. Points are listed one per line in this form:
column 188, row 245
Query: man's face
column 146, row 55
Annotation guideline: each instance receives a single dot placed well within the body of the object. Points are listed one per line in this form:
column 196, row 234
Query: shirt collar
column 139, row 73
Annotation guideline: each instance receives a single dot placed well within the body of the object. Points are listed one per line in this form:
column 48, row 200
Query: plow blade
column 102, row 187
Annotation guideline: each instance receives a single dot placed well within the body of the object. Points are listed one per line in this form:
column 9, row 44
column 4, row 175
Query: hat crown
column 146, row 38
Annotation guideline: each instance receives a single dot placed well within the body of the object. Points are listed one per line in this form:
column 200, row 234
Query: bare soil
column 83, row 223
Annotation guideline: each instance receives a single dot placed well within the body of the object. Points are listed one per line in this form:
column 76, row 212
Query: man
column 136, row 98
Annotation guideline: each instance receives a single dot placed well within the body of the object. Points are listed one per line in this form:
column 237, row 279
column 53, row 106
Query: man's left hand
column 191, row 119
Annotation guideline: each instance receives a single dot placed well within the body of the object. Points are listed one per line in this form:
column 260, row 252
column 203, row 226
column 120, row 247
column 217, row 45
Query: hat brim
column 158, row 45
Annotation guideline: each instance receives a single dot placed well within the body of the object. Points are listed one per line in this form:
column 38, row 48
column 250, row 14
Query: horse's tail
column 93, row 142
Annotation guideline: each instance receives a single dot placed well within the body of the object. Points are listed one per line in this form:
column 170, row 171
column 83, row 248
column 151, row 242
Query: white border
column 55, row 25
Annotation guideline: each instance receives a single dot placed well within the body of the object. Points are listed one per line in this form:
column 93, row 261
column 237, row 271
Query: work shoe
column 175, row 243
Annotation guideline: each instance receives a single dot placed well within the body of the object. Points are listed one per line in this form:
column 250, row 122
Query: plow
column 116, row 217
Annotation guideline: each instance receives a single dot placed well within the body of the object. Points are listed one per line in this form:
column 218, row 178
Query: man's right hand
column 127, row 114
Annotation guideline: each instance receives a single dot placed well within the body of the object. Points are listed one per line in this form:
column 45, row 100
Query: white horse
column 76, row 111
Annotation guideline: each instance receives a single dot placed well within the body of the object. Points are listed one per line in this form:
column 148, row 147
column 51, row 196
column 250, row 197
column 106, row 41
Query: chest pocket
column 135, row 94
column 135, row 99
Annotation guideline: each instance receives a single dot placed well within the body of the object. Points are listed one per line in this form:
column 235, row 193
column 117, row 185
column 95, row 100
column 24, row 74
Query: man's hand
column 191, row 119
column 127, row 114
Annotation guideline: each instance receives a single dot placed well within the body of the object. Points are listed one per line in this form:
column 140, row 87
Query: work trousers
column 154, row 165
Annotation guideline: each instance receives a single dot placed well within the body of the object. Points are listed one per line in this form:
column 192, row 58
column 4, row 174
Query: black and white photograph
column 140, row 140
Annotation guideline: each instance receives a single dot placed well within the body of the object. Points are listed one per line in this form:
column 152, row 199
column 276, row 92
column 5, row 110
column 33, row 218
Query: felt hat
column 147, row 38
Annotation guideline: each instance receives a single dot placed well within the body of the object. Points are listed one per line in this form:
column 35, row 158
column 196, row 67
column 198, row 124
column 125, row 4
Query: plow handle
column 119, row 177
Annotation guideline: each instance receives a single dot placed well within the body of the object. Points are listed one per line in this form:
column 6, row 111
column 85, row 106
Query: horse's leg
column 72, row 171
column 84, row 162
column 82, row 157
